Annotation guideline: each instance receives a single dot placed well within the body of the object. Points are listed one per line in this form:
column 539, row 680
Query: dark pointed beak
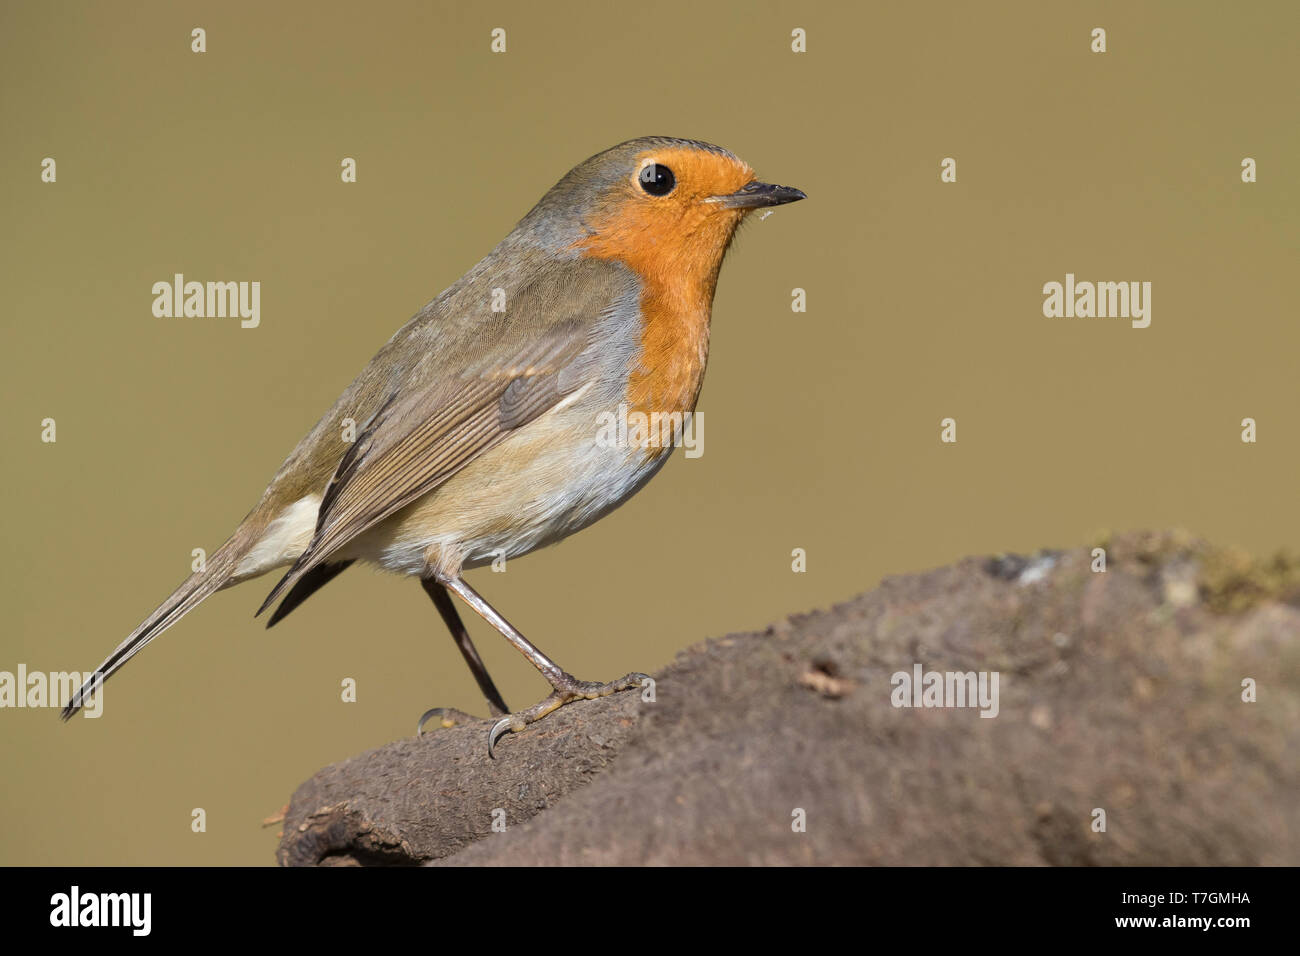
column 755, row 195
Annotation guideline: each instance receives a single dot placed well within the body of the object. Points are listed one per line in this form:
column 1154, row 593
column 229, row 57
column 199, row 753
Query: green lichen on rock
column 1232, row 580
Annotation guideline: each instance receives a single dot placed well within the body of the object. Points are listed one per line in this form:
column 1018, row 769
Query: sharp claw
column 424, row 719
column 568, row 690
column 498, row 729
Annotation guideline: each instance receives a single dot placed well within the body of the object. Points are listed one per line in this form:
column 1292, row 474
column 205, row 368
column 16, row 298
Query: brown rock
column 1120, row 691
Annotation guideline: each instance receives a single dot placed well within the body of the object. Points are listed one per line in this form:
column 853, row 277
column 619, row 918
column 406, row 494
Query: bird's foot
column 567, row 689
column 446, row 717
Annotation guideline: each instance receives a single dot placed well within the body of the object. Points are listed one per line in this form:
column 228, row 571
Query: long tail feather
column 184, row 599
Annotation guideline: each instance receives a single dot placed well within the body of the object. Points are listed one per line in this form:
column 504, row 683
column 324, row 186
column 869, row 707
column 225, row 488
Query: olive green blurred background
column 822, row 429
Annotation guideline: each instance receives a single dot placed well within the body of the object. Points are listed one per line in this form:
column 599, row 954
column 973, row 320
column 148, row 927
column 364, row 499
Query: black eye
column 657, row 179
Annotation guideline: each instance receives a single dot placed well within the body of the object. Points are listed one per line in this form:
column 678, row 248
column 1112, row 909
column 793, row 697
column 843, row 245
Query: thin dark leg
column 565, row 686
column 451, row 617
column 550, row 670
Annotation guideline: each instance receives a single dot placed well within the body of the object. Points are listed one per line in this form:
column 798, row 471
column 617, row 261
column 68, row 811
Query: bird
column 473, row 435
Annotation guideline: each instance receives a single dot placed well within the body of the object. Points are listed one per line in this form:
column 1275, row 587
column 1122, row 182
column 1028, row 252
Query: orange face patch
column 675, row 243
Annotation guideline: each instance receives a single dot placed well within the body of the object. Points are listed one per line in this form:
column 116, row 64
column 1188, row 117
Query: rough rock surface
column 1119, row 690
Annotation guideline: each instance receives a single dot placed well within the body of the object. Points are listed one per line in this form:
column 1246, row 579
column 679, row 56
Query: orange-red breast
column 481, row 432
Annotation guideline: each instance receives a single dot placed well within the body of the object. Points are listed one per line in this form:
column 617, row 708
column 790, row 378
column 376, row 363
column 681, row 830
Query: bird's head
column 662, row 206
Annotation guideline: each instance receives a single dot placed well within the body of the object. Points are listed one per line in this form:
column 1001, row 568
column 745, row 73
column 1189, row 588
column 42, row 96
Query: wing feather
column 414, row 443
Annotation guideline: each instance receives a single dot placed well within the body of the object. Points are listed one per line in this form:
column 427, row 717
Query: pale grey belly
column 552, row 479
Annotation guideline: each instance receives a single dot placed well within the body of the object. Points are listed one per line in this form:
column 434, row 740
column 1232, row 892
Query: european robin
column 480, row 435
